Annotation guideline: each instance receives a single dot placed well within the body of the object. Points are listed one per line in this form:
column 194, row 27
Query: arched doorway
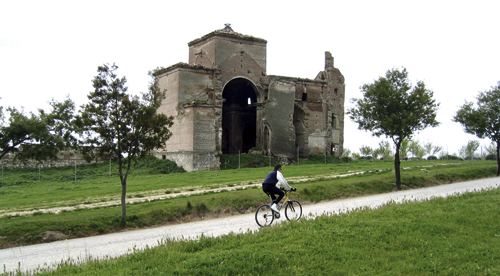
column 239, row 117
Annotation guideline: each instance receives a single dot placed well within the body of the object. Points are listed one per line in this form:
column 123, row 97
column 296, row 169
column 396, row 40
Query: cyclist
column 271, row 186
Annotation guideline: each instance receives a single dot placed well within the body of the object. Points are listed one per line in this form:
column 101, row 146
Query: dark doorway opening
column 239, row 117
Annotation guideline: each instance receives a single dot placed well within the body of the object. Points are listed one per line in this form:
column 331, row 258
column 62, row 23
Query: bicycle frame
column 264, row 215
column 285, row 199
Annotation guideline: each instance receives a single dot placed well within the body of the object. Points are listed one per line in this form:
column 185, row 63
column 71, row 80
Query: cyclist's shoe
column 273, row 207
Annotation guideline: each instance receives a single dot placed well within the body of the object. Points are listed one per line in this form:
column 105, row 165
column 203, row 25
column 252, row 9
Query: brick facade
column 224, row 102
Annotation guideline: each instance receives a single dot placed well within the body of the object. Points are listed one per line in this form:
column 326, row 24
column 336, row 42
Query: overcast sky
column 50, row 49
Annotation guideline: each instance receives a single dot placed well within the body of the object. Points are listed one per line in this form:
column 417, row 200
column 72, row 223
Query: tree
column 356, row 156
column 391, row 107
column 467, row 151
column 346, row 153
column 431, row 149
column 38, row 137
column 491, row 148
column 124, row 126
column 404, row 148
column 416, row 149
column 366, row 150
column 2, row 117
column 436, row 150
column 383, row 151
column 483, row 120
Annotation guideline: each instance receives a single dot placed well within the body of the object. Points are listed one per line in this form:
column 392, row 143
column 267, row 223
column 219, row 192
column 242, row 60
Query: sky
column 51, row 49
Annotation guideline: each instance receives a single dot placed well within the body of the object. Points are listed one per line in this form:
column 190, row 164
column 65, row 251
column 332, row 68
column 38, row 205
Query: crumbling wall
column 192, row 160
column 291, row 115
column 334, row 100
column 185, row 86
column 203, row 127
column 279, row 116
column 64, row 158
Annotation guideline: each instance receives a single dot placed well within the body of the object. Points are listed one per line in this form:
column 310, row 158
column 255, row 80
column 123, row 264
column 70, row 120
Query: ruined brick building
column 223, row 101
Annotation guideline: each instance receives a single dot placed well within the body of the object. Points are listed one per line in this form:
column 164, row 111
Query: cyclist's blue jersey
column 271, row 178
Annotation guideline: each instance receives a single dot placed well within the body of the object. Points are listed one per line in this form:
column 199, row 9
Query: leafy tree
column 384, row 150
column 366, row 150
column 483, row 120
column 462, row 152
column 436, row 150
column 356, row 155
column 404, row 148
column 391, row 107
column 116, row 124
column 431, row 149
column 2, row 117
column 416, row 149
column 491, row 148
column 428, row 148
column 467, row 151
column 346, row 153
column 38, row 136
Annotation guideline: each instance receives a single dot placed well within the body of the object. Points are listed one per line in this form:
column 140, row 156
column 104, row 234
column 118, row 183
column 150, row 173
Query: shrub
column 450, row 157
column 432, row 157
column 346, row 159
column 234, row 161
column 155, row 165
column 491, row 157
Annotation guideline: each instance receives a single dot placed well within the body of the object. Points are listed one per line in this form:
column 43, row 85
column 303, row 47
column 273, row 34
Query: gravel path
column 49, row 255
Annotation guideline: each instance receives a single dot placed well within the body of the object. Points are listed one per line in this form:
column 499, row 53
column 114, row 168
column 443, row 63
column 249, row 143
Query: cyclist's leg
column 268, row 189
column 276, row 191
column 281, row 194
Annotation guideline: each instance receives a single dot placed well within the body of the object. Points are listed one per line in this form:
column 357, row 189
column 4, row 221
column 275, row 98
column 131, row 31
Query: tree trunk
column 498, row 158
column 124, row 206
column 397, row 167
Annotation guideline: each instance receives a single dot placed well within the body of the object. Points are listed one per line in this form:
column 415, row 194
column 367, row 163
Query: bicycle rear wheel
column 264, row 215
column 293, row 210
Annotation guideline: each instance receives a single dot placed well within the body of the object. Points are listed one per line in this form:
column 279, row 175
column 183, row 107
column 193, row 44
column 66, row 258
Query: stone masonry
column 223, row 101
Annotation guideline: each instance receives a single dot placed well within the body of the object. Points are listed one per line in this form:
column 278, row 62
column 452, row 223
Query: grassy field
column 95, row 193
column 458, row 235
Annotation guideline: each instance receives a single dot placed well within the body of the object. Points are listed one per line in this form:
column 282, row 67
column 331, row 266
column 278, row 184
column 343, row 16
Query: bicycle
column 264, row 215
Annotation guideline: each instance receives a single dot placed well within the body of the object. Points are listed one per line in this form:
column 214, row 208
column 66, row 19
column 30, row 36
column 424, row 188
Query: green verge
column 315, row 185
column 458, row 235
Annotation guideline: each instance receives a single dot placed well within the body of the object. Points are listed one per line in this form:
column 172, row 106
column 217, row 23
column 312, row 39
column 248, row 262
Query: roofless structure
column 223, row 101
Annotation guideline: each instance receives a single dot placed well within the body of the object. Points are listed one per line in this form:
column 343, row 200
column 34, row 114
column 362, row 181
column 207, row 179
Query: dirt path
column 158, row 195
column 49, row 255
column 100, row 202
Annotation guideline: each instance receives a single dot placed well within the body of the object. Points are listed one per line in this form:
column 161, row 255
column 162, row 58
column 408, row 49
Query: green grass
column 458, row 235
column 314, row 182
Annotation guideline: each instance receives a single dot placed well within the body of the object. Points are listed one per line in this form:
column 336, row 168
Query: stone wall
column 208, row 99
column 191, row 160
column 65, row 158
column 279, row 111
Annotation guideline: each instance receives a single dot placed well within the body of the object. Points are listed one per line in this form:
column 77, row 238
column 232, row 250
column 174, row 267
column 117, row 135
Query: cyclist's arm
column 283, row 182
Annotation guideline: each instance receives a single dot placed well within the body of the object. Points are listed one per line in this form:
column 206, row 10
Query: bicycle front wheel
column 293, row 210
column 264, row 215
